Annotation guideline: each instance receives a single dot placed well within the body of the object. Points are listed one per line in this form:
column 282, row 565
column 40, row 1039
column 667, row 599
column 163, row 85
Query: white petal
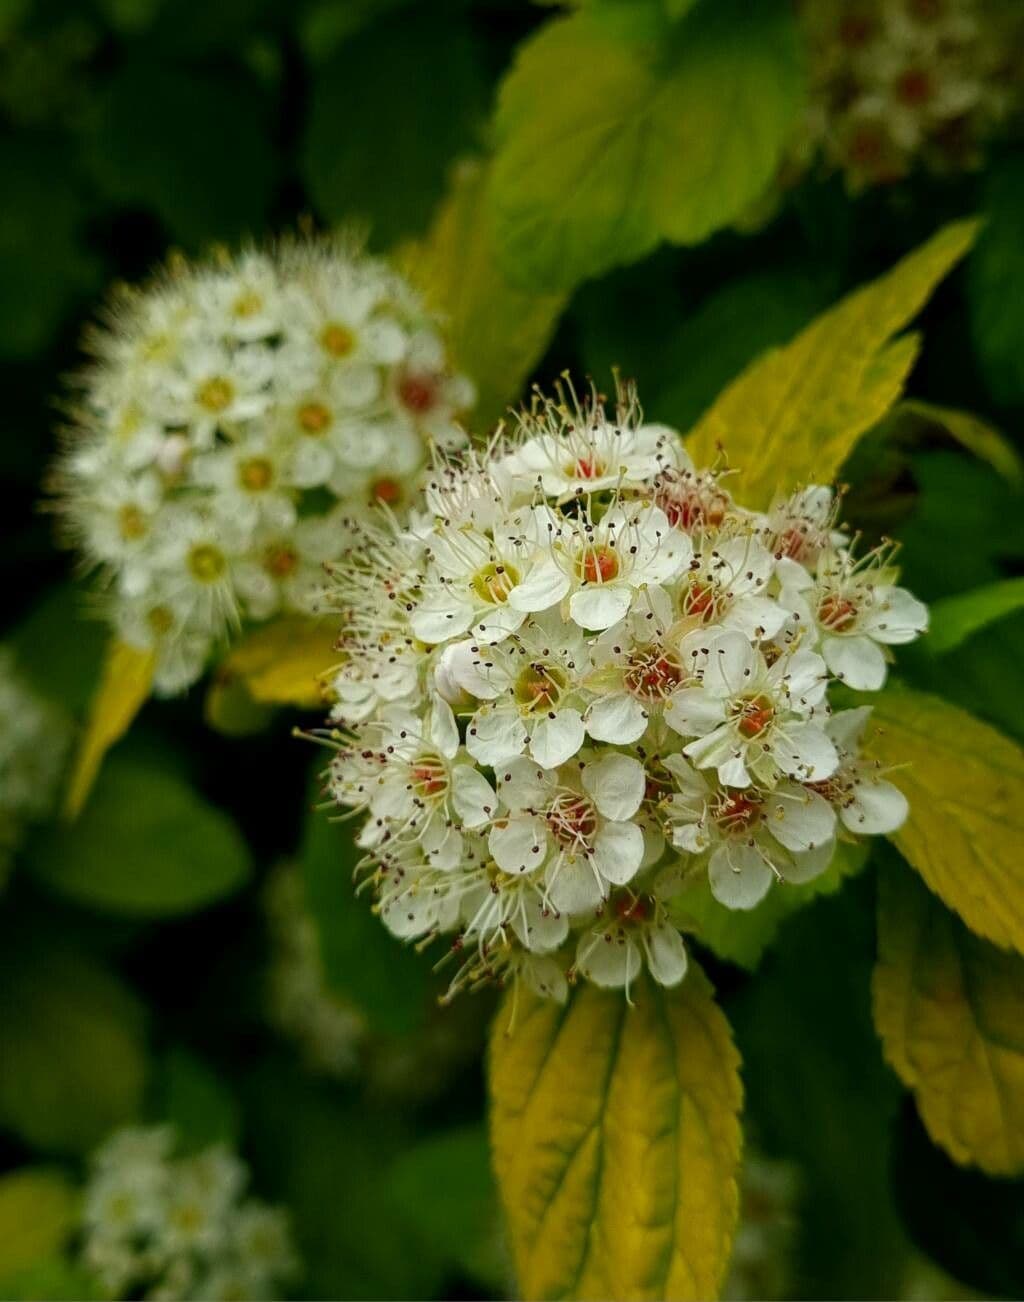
column 519, row 845
column 897, row 617
column 732, row 665
column 856, row 661
column 440, row 617
column 756, row 617
column 799, row 819
column 846, row 728
column 734, row 772
column 804, row 751
column 539, row 929
column 573, row 885
column 544, row 587
column 739, row 875
column 619, row 718
column 472, row 668
column 806, row 866
column 545, row 978
column 666, row 954
column 600, row 605
column 524, row 784
column 692, row 712
column 616, row 785
column 557, row 739
column 876, row 809
column 496, row 622
column 610, row 959
column 618, row 852
column 441, row 728
column 495, row 735
column 805, row 676
column 473, row 797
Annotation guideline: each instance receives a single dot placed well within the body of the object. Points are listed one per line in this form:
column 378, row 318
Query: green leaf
column 412, row 80
column 55, row 1280
column 386, row 980
column 997, row 284
column 193, row 146
column 950, row 1010
column 38, row 1209
column 965, row 829
column 819, row 1093
column 445, row 1190
column 496, row 333
column 743, row 936
column 956, row 619
column 796, row 413
column 978, row 437
column 146, row 846
column 72, row 1047
column 329, row 1161
column 43, row 264
column 196, row 1102
column 616, row 1141
column 607, row 145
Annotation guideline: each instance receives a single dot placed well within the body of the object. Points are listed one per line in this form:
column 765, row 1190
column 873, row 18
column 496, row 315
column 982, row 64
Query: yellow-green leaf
column 965, row 830
column 122, row 692
column 495, row 331
column 37, row 1214
column 616, row 1140
column 955, row 619
column 284, row 662
column 950, row 1010
column 795, row 414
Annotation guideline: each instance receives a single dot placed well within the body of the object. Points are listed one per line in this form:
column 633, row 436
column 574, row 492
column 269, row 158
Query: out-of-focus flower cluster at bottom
column 165, row 1226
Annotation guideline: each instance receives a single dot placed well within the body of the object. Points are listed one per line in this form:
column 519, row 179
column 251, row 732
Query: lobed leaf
column 965, row 829
column 794, row 415
column 122, row 691
column 950, row 1010
column 616, row 1141
column 496, row 332
column 608, row 142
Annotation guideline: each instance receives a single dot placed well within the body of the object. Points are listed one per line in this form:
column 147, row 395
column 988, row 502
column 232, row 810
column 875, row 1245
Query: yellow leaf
column 795, row 414
column 616, row 1141
column 965, row 830
column 496, row 332
column 37, row 1215
column 282, row 663
column 123, row 688
column 950, row 1010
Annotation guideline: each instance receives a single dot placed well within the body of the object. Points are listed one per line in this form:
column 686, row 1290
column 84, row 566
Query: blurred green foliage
column 132, row 945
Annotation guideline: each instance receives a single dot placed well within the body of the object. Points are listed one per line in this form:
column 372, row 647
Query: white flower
column 580, row 674
column 530, row 686
column 867, row 804
column 856, row 610
column 750, row 837
column 752, row 720
column 574, row 823
column 249, row 405
column 636, row 931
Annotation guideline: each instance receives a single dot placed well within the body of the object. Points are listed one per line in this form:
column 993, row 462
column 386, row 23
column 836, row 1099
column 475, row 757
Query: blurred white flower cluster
column 234, row 415
column 586, row 673
column 902, row 84
column 34, row 740
column 328, row 1029
column 164, row 1227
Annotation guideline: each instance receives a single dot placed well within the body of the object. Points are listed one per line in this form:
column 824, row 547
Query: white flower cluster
column 234, row 416
column 329, row 1030
column 34, row 740
column 898, row 84
column 584, row 661
column 164, row 1227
